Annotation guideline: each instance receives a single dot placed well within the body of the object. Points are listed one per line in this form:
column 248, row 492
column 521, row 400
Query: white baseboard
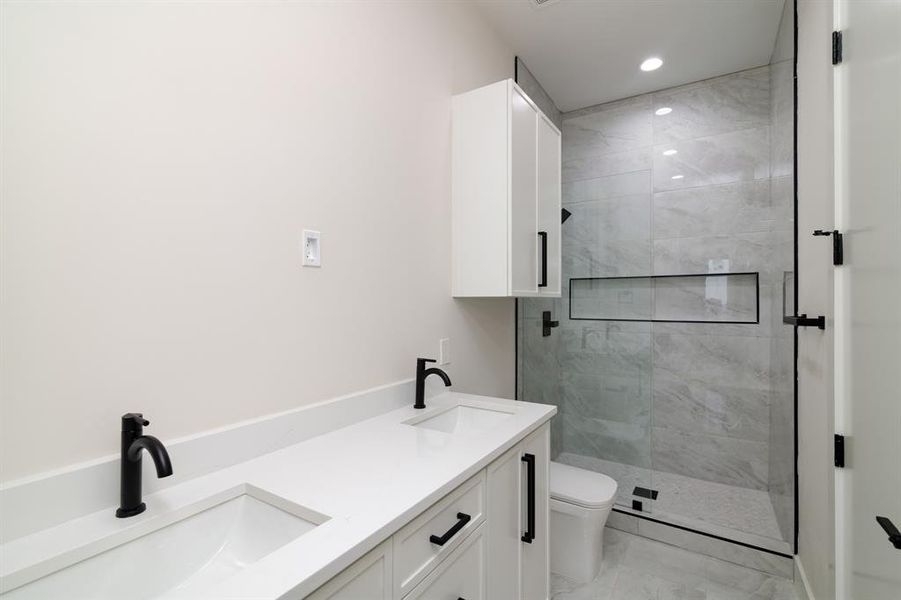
column 91, row 486
column 802, row 584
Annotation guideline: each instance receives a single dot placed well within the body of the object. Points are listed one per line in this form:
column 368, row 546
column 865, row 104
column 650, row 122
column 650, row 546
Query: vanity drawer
column 461, row 575
column 424, row 542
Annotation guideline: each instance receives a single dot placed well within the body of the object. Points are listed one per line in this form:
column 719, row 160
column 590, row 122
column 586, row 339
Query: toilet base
column 576, row 540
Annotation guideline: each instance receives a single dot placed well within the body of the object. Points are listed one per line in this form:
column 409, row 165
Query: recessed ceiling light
column 670, row 152
column 678, row 176
column 651, row 64
column 663, row 111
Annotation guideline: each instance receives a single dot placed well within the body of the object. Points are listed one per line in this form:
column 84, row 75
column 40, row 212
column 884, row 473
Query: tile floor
column 724, row 510
column 637, row 568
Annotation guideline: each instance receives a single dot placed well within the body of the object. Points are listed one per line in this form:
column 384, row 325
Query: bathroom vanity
column 492, row 539
column 450, row 500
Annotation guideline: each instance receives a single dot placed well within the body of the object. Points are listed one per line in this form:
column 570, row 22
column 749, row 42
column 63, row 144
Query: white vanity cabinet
column 506, row 195
column 485, row 540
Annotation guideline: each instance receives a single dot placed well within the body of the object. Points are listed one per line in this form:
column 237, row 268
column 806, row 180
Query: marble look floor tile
column 724, row 158
column 635, row 568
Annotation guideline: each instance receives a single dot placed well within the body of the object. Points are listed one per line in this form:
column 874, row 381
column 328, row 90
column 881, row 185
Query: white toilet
column 580, row 503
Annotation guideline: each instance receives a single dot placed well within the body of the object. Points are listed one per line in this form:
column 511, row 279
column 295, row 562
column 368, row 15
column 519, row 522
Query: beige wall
column 816, row 537
column 159, row 163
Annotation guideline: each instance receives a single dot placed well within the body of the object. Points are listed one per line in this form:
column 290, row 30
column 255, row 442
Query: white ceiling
column 585, row 52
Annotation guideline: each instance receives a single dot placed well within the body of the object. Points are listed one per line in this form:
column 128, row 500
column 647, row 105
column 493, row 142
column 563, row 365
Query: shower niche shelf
column 728, row 298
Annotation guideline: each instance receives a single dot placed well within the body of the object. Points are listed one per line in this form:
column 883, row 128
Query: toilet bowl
column 580, row 503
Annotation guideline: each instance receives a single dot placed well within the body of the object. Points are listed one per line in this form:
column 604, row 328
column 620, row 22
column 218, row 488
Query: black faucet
column 133, row 441
column 421, row 374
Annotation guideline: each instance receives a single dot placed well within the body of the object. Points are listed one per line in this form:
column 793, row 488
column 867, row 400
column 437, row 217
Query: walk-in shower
column 671, row 367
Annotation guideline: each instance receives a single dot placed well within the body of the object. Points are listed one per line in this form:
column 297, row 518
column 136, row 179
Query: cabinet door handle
column 462, row 520
column 543, row 236
column 529, row 535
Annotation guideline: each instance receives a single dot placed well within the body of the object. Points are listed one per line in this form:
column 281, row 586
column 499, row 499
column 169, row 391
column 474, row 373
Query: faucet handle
column 425, row 360
column 133, row 422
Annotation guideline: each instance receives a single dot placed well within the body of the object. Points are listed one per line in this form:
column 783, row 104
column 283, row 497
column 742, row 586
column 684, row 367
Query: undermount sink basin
column 462, row 419
column 183, row 558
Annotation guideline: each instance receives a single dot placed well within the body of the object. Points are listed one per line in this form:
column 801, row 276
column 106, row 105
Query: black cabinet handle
column 462, row 520
column 894, row 536
column 543, row 236
column 529, row 535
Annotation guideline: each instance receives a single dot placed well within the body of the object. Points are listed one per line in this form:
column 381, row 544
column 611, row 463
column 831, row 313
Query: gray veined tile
column 712, row 409
column 591, row 167
column 720, row 360
column 728, row 157
column 596, row 221
column 607, row 259
column 737, row 253
column 740, row 207
column 616, row 441
column 737, row 462
column 633, row 183
column 730, row 103
column 607, row 130
column 612, row 398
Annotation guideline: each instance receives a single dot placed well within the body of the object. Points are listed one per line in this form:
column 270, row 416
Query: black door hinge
column 836, row 47
column 839, row 451
column 838, row 245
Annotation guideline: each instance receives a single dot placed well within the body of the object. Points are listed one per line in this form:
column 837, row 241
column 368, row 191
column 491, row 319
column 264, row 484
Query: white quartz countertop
column 369, row 478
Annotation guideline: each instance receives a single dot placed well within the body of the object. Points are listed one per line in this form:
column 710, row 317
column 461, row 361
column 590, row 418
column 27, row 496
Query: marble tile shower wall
column 692, row 399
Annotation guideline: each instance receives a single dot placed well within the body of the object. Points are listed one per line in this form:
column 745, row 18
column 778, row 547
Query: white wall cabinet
column 506, row 195
column 499, row 552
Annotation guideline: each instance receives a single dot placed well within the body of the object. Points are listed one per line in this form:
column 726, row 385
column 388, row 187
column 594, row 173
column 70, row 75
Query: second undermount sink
column 462, row 419
column 184, row 558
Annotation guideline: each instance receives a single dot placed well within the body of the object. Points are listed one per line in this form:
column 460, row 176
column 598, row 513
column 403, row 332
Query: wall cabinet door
column 535, row 566
column 460, row 575
column 505, row 189
column 523, row 236
column 549, row 206
column 367, row 579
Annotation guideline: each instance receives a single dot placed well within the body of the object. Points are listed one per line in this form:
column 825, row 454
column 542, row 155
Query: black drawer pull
column 462, row 520
column 529, row 535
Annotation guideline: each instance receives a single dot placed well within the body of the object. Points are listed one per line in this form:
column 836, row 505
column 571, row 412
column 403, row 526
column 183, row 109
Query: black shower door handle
column 543, row 236
column 529, row 535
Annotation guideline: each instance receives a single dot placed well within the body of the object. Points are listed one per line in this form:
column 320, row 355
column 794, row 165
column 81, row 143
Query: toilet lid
column 581, row 487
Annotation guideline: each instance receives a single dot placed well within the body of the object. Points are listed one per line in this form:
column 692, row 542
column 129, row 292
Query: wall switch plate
column 311, row 249
column 444, row 351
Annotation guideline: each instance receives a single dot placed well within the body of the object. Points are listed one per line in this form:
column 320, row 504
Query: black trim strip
column 704, row 533
column 797, row 512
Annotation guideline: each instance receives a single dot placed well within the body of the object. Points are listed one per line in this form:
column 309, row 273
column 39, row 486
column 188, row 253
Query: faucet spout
column 157, row 452
column 439, row 373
